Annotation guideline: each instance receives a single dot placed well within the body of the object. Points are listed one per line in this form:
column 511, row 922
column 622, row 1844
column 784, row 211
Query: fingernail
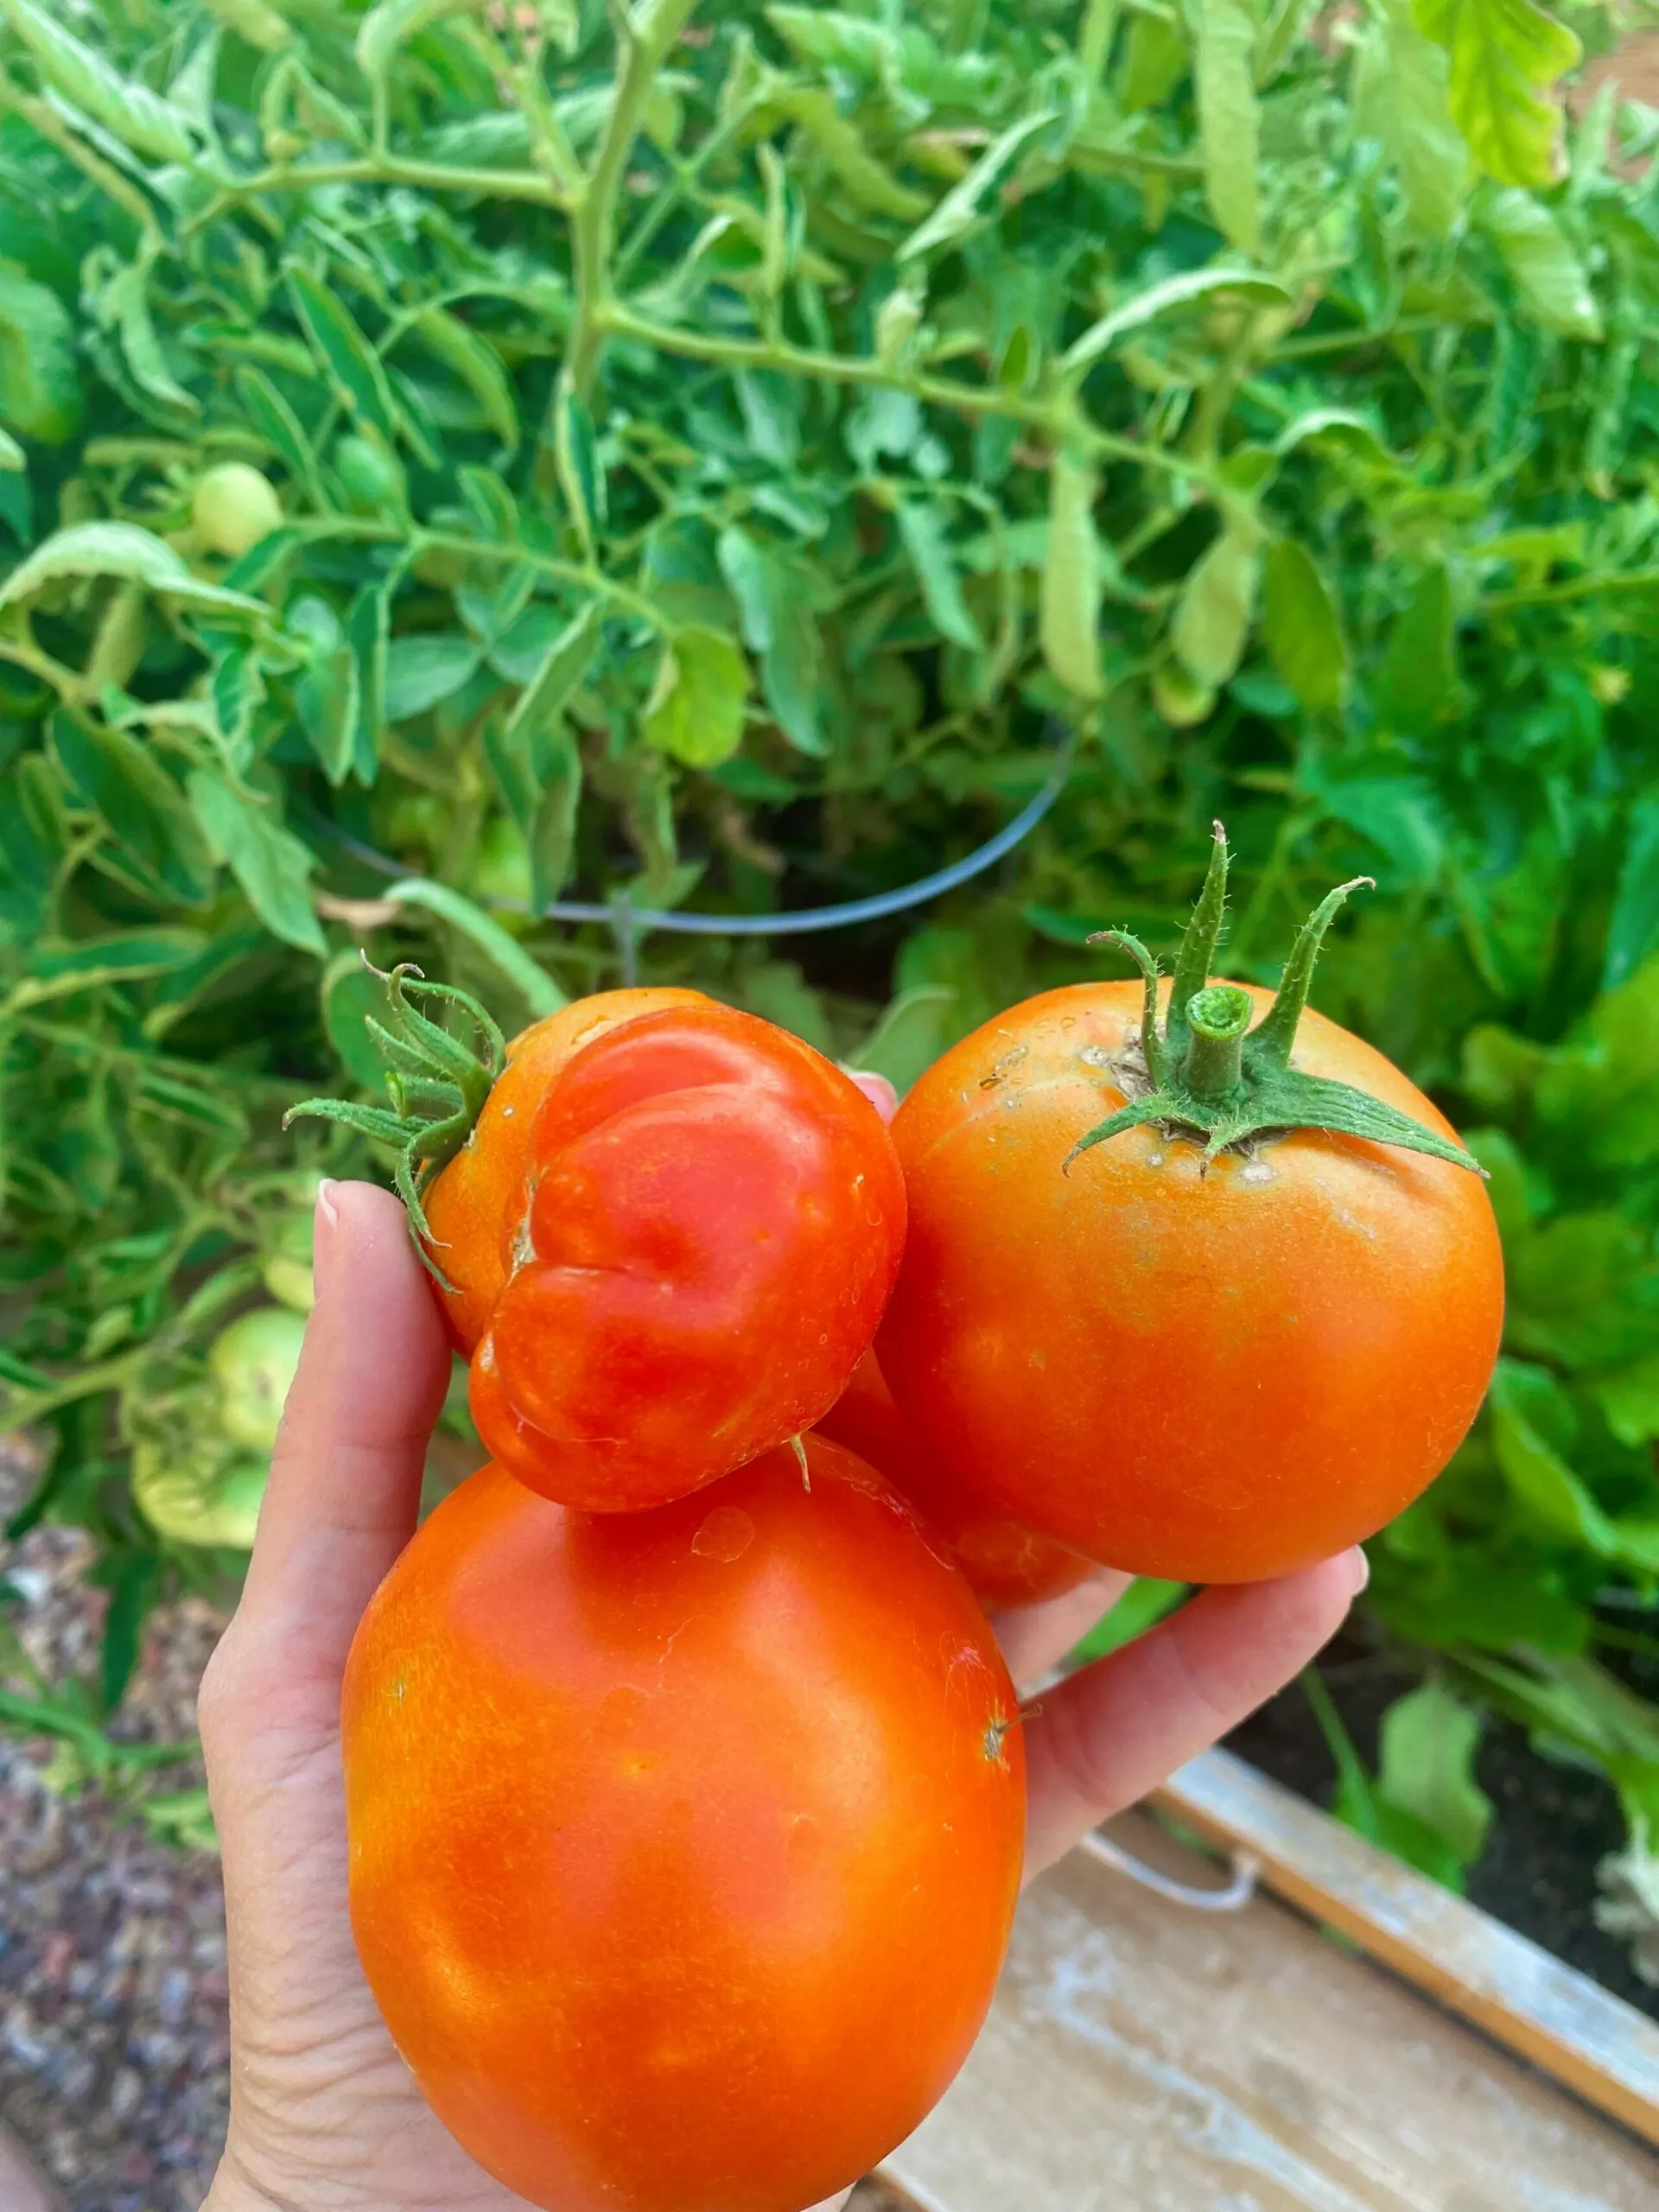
column 1362, row 1569
column 324, row 1223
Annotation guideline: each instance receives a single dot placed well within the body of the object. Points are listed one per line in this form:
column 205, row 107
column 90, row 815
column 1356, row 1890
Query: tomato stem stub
column 436, row 1083
column 1213, row 1079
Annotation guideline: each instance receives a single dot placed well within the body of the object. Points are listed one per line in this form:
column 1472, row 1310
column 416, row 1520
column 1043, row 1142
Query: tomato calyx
column 437, row 1085
column 1209, row 1075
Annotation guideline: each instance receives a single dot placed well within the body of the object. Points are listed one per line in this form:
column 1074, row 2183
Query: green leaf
column 1192, row 288
column 1540, row 1477
column 350, row 996
column 281, row 427
column 121, row 548
column 866, row 183
column 1633, row 931
column 1143, row 1605
column 581, row 479
column 269, row 862
column 1427, row 1766
column 1229, row 119
column 533, row 984
column 1548, row 276
column 367, row 629
column 695, row 712
column 1401, row 98
column 912, row 1032
column 1629, row 1401
column 959, row 210
column 119, row 780
column 1419, row 682
column 1211, row 623
column 1069, row 600
column 479, row 366
column 1505, row 55
column 1154, row 61
column 40, row 389
column 563, row 667
column 1302, row 628
column 423, row 670
column 135, row 114
column 355, row 372
column 924, row 527
column 389, row 23
column 778, row 625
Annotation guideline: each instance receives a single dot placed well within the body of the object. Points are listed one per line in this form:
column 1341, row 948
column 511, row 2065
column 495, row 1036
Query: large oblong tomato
column 1004, row 1564
column 684, row 1845
column 670, row 1237
column 1212, row 1371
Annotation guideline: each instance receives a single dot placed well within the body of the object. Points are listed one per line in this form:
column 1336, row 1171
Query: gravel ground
column 113, row 2042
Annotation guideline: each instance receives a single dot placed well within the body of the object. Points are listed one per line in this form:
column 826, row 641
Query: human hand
column 325, row 2117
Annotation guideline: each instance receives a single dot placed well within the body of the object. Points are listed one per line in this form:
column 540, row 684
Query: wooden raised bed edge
column 1519, row 1995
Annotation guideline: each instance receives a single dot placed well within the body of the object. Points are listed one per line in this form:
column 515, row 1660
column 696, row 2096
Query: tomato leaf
column 269, row 862
column 1302, row 628
column 695, row 712
column 1505, row 55
column 1229, row 118
column 1211, row 622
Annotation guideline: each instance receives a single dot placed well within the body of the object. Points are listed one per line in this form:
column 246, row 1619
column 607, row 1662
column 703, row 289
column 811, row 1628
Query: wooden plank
column 1143, row 2057
column 1521, row 1994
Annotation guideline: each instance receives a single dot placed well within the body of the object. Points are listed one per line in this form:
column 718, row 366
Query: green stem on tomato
column 1217, row 1019
column 1211, row 1078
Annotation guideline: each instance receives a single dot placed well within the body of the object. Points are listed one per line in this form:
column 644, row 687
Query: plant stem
column 936, row 391
column 1217, row 1017
column 390, row 168
column 592, row 231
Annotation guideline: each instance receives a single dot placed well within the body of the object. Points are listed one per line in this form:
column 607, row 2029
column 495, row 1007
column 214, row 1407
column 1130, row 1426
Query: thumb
column 345, row 1474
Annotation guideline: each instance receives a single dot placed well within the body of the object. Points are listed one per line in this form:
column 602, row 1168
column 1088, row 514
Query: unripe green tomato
column 189, row 1491
column 233, row 508
column 253, row 1362
column 370, row 476
column 1180, row 700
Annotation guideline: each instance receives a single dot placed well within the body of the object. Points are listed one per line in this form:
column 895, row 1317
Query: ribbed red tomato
column 684, row 1845
column 1004, row 1564
column 670, row 1238
column 1210, row 1369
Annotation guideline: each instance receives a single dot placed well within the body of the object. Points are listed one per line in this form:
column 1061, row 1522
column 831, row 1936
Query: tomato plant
column 664, row 1241
column 1229, row 1324
column 1004, row 1564
column 684, row 1845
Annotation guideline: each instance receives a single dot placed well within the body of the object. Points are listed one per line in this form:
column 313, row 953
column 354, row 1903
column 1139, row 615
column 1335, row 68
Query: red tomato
column 1004, row 1564
column 684, row 1845
column 671, row 1236
column 1211, row 1375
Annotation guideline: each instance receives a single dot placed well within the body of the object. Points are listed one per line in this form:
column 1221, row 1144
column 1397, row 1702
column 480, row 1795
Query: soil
column 1553, row 1824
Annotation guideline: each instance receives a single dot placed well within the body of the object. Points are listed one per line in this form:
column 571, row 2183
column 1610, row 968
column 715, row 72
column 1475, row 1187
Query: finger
column 1101, row 1740
column 1036, row 1638
column 346, row 1475
column 876, row 1088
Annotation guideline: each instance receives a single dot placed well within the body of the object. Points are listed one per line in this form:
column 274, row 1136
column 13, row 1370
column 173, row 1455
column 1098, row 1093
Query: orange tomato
column 670, row 1237
column 1004, row 1564
column 1209, row 1373
column 684, row 1845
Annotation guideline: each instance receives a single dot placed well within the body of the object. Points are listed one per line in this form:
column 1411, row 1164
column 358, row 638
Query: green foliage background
column 710, row 445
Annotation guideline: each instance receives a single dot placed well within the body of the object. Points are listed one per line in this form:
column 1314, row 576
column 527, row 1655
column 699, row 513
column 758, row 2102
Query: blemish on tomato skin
column 996, row 1730
column 725, row 1535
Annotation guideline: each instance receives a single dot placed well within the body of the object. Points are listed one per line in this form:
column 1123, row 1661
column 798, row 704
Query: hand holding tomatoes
column 323, row 2104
